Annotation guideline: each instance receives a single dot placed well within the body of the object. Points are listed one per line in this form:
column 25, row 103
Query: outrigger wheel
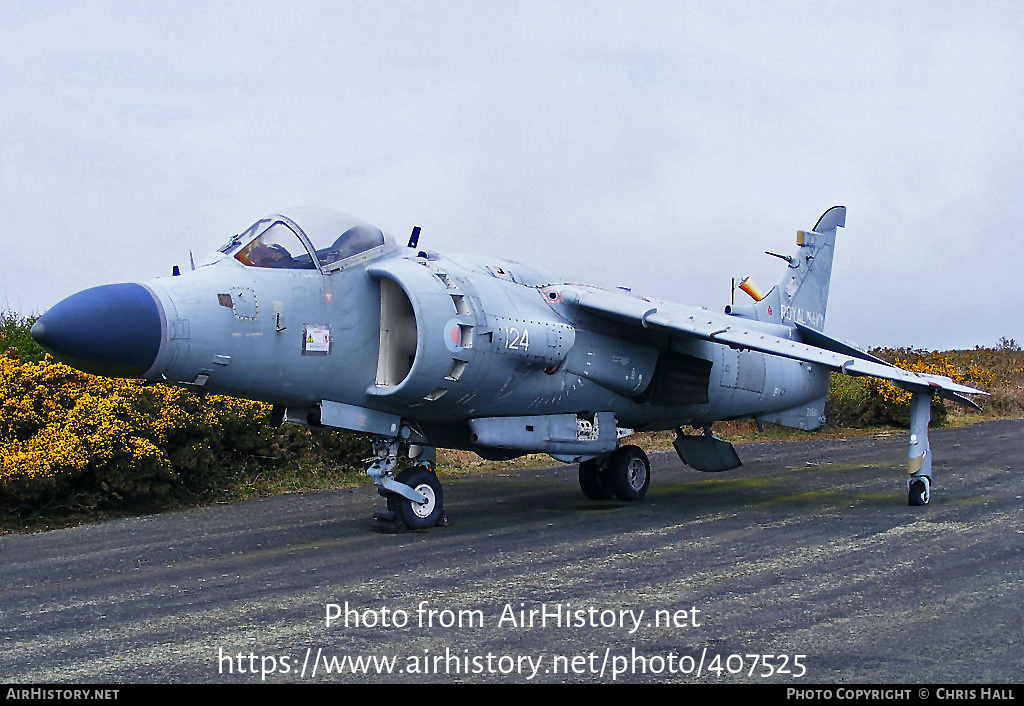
column 624, row 473
column 919, row 485
column 918, row 492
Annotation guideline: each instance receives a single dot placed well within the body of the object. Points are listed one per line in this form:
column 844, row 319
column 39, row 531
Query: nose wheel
column 419, row 515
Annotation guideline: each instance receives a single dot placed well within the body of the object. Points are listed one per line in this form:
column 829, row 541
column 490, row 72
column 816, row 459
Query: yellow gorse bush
column 58, row 424
column 932, row 364
column 861, row 401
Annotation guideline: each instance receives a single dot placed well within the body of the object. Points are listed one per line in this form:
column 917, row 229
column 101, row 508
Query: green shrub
column 16, row 339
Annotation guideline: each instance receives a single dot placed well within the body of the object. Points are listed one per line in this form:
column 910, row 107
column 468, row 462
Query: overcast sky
column 658, row 145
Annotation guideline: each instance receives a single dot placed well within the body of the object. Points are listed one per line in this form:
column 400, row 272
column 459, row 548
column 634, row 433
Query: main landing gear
column 625, row 473
column 415, row 498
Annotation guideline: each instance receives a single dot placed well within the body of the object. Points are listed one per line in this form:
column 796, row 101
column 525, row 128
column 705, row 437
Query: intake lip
column 112, row 330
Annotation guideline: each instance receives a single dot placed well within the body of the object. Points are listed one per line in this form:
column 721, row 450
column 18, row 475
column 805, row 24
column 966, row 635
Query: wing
column 766, row 338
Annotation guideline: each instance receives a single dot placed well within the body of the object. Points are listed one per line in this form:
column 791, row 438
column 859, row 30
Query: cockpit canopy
column 308, row 239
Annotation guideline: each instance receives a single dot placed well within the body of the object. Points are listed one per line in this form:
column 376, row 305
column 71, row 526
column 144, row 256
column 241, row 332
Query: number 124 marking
column 516, row 340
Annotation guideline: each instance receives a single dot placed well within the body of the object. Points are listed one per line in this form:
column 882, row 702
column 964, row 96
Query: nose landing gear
column 414, row 497
column 418, row 515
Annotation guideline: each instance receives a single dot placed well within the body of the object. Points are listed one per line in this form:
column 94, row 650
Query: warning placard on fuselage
column 316, row 340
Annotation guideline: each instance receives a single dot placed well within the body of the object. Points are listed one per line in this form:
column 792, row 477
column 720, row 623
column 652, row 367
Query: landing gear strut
column 919, row 484
column 624, row 473
column 415, row 499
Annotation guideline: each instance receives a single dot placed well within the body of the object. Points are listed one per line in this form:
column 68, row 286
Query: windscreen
column 277, row 247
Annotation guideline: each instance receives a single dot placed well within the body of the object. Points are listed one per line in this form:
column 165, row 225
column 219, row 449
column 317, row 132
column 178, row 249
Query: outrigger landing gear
column 414, row 496
column 920, row 464
column 624, row 473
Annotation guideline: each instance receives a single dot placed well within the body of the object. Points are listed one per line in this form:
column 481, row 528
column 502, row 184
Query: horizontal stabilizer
column 836, row 345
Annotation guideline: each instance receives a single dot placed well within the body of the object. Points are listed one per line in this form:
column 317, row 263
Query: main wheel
column 629, row 473
column 592, row 482
column 419, row 515
column 918, row 494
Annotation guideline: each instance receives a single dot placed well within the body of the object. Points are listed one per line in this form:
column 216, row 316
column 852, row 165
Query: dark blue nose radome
column 112, row 330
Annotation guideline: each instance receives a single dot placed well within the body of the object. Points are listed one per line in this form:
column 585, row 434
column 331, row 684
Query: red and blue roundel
column 453, row 335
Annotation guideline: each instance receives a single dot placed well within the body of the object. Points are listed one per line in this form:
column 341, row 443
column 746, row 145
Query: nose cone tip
column 38, row 332
column 113, row 330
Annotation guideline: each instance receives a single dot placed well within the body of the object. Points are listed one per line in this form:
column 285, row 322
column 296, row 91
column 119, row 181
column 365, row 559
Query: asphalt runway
column 805, row 561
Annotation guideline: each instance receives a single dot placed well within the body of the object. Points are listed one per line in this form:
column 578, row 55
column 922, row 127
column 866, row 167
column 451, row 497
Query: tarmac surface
column 805, row 566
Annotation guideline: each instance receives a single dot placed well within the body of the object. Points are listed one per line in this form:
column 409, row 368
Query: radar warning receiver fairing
column 336, row 325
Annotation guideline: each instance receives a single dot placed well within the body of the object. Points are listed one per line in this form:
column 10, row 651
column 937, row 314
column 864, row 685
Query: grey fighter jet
column 336, row 325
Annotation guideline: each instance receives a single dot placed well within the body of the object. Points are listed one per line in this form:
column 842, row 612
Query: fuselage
column 435, row 340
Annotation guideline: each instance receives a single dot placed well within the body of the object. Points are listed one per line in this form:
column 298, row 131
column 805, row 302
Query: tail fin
column 801, row 295
column 803, row 289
